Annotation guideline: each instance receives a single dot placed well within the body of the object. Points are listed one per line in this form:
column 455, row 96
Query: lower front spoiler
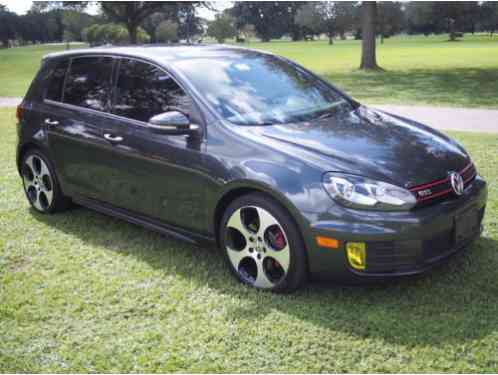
column 344, row 274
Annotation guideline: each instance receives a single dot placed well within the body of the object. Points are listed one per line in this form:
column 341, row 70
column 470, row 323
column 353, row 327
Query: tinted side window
column 89, row 83
column 55, row 81
column 144, row 91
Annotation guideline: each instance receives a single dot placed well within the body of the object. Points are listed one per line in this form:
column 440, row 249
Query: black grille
column 392, row 256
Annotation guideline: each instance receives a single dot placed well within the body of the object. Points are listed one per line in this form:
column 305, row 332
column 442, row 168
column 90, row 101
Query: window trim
column 114, row 76
column 68, row 71
column 164, row 70
column 51, row 69
column 94, row 112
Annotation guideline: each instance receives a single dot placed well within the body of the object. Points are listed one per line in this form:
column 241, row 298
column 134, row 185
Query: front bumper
column 398, row 243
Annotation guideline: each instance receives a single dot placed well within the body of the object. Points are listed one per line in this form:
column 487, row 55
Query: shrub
column 167, row 31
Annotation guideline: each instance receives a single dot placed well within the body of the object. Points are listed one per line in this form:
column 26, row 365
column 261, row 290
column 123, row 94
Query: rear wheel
column 40, row 183
column 262, row 244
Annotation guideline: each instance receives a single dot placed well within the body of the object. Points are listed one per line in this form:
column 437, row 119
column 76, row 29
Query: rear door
column 76, row 126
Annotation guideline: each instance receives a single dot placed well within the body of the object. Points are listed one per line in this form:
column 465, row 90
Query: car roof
column 161, row 53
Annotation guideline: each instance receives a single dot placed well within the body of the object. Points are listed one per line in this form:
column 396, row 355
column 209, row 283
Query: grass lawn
column 18, row 67
column 419, row 70
column 80, row 291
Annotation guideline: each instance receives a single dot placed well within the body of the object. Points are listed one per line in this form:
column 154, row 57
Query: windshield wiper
column 325, row 115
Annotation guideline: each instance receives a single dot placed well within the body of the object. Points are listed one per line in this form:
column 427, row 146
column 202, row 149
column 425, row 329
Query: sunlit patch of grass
column 83, row 292
column 417, row 70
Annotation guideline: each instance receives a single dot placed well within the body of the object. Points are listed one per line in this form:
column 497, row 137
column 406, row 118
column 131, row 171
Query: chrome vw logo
column 456, row 183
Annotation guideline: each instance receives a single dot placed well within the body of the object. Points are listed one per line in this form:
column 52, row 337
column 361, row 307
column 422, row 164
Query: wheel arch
column 23, row 149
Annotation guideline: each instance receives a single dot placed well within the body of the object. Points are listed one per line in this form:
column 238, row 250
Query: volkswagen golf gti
column 291, row 178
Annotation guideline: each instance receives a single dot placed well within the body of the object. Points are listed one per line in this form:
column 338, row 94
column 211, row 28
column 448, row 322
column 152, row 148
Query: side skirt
column 149, row 223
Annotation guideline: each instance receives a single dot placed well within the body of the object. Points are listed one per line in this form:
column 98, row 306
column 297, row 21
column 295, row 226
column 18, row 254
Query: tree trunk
column 331, row 39
column 451, row 30
column 132, row 33
column 368, row 26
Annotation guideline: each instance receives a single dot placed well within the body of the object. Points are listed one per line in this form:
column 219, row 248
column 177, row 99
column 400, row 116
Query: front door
column 166, row 175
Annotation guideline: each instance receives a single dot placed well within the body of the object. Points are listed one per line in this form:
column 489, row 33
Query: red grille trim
column 467, row 178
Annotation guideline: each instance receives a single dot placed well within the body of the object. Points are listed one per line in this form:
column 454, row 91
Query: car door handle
column 113, row 138
column 51, row 122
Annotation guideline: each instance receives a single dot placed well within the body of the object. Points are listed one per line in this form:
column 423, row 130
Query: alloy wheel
column 257, row 247
column 38, row 182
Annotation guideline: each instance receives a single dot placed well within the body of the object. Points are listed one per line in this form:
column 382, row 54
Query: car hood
column 370, row 143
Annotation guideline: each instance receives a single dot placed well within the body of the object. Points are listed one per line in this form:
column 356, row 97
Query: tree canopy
column 222, row 28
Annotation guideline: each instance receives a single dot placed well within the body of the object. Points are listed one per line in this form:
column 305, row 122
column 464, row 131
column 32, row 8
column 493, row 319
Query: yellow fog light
column 357, row 254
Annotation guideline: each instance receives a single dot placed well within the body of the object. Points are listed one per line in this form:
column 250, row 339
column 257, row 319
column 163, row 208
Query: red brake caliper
column 278, row 240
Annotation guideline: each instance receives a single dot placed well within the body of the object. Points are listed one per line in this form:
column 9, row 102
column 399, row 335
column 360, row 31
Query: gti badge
column 424, row 193
column 456, row 183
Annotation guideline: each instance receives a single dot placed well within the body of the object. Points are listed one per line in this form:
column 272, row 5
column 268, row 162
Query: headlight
column 363, row 193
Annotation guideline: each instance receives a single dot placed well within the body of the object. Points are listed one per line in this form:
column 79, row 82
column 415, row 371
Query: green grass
column 80, row 291
column 18, row 67
column 418, row 70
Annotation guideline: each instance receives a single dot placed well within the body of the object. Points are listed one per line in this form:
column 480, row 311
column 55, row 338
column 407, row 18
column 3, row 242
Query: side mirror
column 172, row 123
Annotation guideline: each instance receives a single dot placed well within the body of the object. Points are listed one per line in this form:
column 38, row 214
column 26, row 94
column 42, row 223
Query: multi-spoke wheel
column 40, row 183
column 262, row 244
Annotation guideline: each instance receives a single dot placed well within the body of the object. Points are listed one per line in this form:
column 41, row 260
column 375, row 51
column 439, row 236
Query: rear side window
column 144, row 91
column 55, row 81
column 88, row 83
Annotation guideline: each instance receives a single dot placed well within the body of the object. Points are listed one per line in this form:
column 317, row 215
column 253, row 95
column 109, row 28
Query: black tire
column 58, row 202
column 297, row 272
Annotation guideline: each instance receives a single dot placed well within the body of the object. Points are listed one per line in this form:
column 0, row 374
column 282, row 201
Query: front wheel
column 262, row 244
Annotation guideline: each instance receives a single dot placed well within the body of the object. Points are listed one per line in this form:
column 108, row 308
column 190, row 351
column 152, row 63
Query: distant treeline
column 143, row 22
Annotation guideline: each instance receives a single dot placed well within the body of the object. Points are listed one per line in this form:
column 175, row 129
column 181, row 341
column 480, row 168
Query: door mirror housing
column 172, row 123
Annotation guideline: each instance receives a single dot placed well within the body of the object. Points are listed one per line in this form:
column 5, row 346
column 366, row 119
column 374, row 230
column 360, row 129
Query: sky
column 22, row 6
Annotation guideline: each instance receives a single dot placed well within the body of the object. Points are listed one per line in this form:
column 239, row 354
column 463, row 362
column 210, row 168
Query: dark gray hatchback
column 290, row 177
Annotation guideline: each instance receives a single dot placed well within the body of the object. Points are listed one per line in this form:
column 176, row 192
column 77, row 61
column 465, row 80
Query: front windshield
column 259, row 89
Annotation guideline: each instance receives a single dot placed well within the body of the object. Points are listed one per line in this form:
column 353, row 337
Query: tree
column 390, row 18
column 112, row 33
column 167, row 31
column 74, row 23
column 330, row 18
column 222, row 28
column 346, row 14
column 152, row 22
column 368, row 26
column 130, row 14
column 489, row 16
column 309, row 19
column 420, row 18
column 53, row 14
column 8, row 24
column 246, row 32
column 471, row 15
column 270, row 19
column 449, row 16
column 189, row 23
column 327, row 13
